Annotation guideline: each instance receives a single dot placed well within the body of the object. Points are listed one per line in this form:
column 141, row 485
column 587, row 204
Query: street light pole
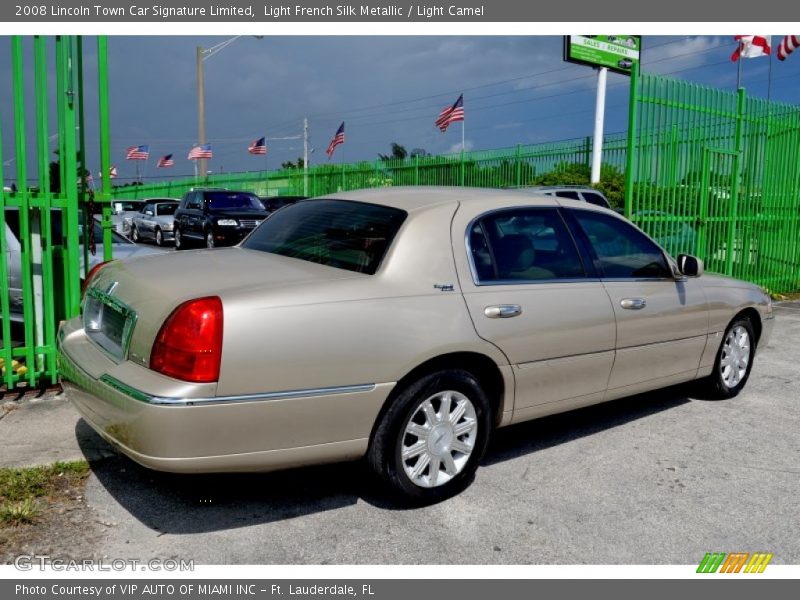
column 203, row 54
column 201, row 110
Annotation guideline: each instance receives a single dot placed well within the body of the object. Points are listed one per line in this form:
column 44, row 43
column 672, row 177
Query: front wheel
column 179, row 243
column 734, row 361
column 135, row 235
column 159, row 237
column 210, row 239
column 429, row 442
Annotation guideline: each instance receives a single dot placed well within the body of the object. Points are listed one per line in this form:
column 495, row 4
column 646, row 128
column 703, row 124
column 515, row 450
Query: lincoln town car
column 401, row 326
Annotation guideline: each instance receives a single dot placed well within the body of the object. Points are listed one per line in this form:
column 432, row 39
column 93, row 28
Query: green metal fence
column 40, row 231
column 716, row 173
column 506, row 167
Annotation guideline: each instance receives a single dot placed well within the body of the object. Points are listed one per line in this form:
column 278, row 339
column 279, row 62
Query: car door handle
column 633, row 303
column 503, row 311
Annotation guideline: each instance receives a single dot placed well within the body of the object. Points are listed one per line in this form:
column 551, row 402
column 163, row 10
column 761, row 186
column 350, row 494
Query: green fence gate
column 43, row 218
column 716, row 173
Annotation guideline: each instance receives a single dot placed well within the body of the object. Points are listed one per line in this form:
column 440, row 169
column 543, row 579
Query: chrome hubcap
column 439, row 438
column 735, row 356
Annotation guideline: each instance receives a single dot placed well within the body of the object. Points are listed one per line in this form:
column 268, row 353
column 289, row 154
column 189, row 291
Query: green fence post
column 518, row 157
column 43, row 146
column 587, row 149
column 630, row 159
column 23, row 193
column 105, row 141
column 744, row 253
column 6, row 374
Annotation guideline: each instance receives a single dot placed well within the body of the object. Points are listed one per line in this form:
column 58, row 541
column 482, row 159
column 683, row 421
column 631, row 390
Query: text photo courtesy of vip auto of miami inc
column 400, row 300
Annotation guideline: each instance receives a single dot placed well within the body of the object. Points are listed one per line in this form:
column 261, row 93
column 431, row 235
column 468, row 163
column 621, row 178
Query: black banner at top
column 246, row 11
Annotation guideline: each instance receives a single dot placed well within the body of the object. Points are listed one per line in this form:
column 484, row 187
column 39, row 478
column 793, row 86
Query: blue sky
column 386, row 89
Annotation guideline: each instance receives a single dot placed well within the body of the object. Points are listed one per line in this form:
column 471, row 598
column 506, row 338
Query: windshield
column 338, row 233
column 163, row 210
column 233, row 200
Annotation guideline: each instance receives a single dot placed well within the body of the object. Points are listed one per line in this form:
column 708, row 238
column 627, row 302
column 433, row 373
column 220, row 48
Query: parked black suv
column 216, row 217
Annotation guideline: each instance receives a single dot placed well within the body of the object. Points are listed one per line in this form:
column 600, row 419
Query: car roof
column 418, row 198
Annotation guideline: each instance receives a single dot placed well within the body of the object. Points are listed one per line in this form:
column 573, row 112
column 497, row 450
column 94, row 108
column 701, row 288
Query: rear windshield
column 338, row 233
column 232, row 200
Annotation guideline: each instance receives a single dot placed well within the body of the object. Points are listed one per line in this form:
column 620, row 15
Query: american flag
column 752, row 46
column 258, row 146
column 203, row 151
column 112, row 173
column 337, row 139
column 788, row 45
column 451, row 114
column 165, row 161
column 138, row 153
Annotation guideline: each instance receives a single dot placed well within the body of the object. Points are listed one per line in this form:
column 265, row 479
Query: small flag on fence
column 787, row 46
column 258, row 146
column 451, row 114
column 337, row 139
column 203, row 151
column 138, row 153
column 165, row 161
column 752, row 46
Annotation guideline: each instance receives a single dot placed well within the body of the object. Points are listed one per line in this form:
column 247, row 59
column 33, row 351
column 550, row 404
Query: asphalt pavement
column 660, row 478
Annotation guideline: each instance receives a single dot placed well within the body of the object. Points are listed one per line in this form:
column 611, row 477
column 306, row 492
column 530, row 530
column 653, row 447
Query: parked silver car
column 121, row 211
column 122, row 248
column 403, row 325
column 155, row 221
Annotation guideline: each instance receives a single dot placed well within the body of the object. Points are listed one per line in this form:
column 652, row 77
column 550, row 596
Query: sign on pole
column 615, row 52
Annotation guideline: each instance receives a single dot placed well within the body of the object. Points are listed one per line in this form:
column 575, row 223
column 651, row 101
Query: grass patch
column 25, row 491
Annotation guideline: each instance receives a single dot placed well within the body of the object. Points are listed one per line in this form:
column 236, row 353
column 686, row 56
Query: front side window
column 621, row 250
column 337, row 233
column 523, row 244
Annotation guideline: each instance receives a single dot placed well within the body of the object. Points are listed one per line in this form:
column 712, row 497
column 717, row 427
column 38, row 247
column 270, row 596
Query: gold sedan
column 402, row 325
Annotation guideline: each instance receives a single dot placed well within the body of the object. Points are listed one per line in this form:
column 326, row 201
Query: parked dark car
column 273, row 203
column 216, row 218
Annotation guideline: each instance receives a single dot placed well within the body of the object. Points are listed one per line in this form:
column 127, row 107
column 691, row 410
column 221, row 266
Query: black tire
column 180, row 243
column 384, row 455
column 210, row 243
column 159, row 237
column 135, row 235
column 716, row 386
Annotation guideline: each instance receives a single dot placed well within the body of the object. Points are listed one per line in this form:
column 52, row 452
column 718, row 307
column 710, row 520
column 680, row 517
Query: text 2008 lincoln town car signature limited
column 400, row 324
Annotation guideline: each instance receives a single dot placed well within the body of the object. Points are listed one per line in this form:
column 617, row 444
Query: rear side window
column 621, row 250
column 568, row 194
column 337, row 233
column 524, row 244
column 595, row 199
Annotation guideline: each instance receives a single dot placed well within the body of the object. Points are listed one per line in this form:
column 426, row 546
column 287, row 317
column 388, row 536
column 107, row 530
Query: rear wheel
column 429, row 442
column 734, row 361
column 159, row 237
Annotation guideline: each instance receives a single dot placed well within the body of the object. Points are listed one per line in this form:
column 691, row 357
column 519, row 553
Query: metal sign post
column 599, row 118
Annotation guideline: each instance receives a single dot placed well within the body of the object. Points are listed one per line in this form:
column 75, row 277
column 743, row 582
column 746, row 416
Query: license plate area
column 108, row 322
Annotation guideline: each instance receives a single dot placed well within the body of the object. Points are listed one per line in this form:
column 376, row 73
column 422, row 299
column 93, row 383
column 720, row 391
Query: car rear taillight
column 91, row 274
column 189, row 344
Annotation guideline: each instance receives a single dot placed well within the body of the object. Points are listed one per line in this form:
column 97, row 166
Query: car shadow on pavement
column 185, row 504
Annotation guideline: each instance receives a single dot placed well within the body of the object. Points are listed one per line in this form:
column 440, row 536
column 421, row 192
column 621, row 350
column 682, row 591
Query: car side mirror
column 689, row 265
column 149, row 213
